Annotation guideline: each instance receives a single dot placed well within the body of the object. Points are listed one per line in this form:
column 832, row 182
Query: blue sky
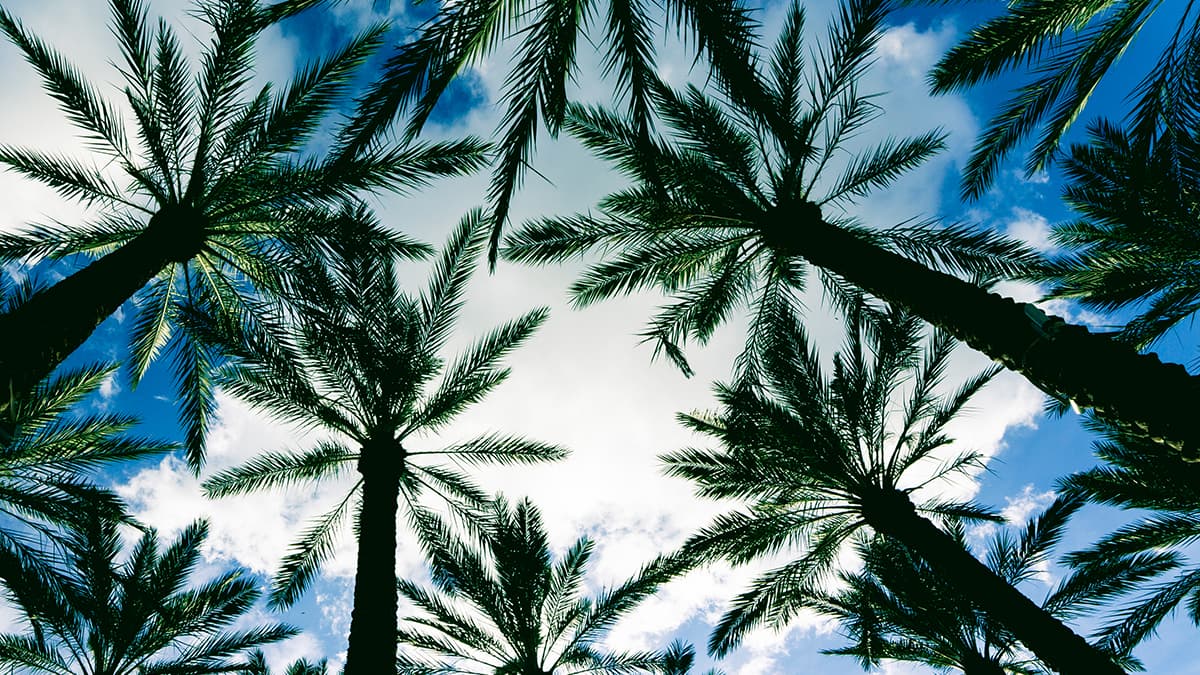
column 584, row 381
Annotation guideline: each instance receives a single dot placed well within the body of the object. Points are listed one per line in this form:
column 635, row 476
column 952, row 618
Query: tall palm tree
column 1135, row 243
column 535, row 92
column 136, row 617
column 48, row 447
column 818, row 458
column 1066, row 49
column 219, row 189
column 504, row 605
column 365, row 365
column 1139, row 474
column 728, row 208
column 898, row 607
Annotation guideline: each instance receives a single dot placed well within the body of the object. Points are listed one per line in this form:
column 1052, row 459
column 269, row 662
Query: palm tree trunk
column 892, row 514
column 45, row 330
column 1090, row 369
column 372, row 643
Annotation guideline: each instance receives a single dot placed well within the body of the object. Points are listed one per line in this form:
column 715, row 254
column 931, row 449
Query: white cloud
column 1031, row 228
column 1023, row 505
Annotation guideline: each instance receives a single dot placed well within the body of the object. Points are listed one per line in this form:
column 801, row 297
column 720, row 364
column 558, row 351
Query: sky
column 583, row 381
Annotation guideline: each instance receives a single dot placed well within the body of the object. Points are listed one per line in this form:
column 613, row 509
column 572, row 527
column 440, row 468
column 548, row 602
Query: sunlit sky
column 584, row 381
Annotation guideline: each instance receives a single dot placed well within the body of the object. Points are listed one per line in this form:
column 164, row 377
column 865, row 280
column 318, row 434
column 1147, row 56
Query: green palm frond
column 722, row 197
column 362, row 361
column 501, row 603
column 1134, row 245
column 135, row 616
column 1067, row 49
column 534, row 96
column 201, row 151
column 1138, row 474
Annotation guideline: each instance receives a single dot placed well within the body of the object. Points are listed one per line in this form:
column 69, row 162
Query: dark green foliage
column 899, row 608
column 257, row 665
column 806, row 452
column 365, row 365
column 1136, row 244
column 525, row 613
column 534, row 96
column 49, row 447
column 1139, row 474
column 133, row 617
column 715, row 205
column 1066, row 48
column 223, row 189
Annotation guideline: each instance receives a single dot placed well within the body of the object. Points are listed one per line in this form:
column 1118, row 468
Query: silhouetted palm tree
column 819, row 458
column 1140, row 474
column 1066, row 49
column 534, row 94
column 679, row 659
column 503, row 605
column 49, row 444
column 726, row 210
column 136, row 617
column 898, row 607
column 219, row 191
column 1136, row 243
column 365, row 366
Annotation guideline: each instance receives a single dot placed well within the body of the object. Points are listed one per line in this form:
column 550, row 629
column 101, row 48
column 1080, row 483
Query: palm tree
column 1066, row 49
column 525, row 613
column 1139, row 474
column 137, row 617
column 362, row 367
column 726, row 211
column 257, row 665
column 818, row 459
column 461, row 34
column 219, row 191
column 898, row 607
column 48, row 448
column 1135, row 244
column 680, row 657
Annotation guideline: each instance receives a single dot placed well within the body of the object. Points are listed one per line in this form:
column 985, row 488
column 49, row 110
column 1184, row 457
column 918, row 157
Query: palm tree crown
column 365, row 364
column 100, row 616
column 897, row 607
column 219, row 189
column 708, row 219
column 1135, row 243
column 526, row 613
column 726, row 211
column 819, row 459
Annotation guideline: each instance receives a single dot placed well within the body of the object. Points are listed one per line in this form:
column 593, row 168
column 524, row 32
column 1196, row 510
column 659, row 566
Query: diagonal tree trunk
column 892, row 514
column 1092, row 370
column 373, row 624
column 40, row 334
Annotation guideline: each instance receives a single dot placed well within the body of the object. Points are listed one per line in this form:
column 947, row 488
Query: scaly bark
column 372, row 643
column 1092, row 370
column 892, row 514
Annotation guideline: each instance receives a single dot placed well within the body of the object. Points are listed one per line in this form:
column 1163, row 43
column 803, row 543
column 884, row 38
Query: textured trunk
column 892, row 515
column 1092, row 370
column 372, row 648
column 40, row 334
